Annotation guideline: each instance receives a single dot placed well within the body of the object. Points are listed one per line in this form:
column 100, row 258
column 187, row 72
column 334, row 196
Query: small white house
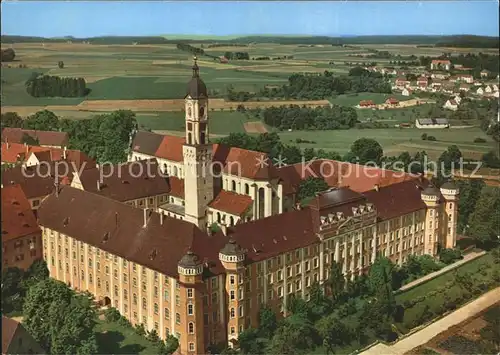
column 457, row 99
column 451, row 105
column 406, row 92
column 488, row 89
column 480, row 91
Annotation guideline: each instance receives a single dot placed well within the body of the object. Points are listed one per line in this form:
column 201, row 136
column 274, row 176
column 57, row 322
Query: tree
column 310, row 186
column 42, row 121
column 484, row 226
column 250, row 342
column 380, row 274
column 167, row 347
column 336, row 281
column 449, row 256
column 58, row 319
column 267, row 322
column 7, row 55
column 11, row 119
column 38, row 271
column 470, row 191
column 367, row 150
column 60, row 64
column 334, row 332
column 295, row 336
column 12, row 289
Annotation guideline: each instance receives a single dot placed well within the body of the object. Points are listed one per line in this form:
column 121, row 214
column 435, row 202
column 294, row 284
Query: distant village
column 439, row 80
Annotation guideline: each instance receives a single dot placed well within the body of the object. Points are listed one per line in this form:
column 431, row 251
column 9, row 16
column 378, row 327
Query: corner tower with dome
column 197, row 152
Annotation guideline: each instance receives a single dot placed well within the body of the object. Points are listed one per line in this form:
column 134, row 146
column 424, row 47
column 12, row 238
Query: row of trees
column 237, row 55
column 303, row 118
column 104, row 138
column 55, row 86
column 317, row 87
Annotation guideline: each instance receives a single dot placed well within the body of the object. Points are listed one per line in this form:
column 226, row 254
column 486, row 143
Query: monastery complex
column 148, row 245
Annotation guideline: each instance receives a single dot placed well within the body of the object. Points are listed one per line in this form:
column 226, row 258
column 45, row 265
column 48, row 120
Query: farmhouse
column 406, row 92
column 467, row 78
column 440, row 64
column 366, row 104
column 401, row 82
column 392, row 101
column 425, row 123
column 441, row 76
column 464, row 87
column 451, row 105
column 422, row 81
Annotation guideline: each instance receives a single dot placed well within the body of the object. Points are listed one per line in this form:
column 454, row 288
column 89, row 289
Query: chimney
column 64, row 153
column 145, row 211
column 162, row 216
column 223, row 228
column 376, row 187
column 98, row 186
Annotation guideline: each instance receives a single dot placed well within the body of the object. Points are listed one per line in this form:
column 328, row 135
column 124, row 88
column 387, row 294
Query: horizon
column 218, row 19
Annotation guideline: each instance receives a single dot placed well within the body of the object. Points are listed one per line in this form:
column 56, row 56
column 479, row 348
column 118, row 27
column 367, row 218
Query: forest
column 55, row 86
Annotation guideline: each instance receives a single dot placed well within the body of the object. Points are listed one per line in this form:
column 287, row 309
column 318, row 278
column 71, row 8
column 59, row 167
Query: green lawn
column 113, row 338
column 437, row 282
column 394, row 141
column 222, row 123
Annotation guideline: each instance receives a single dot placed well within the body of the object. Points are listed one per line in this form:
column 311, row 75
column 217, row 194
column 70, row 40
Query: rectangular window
column 190, row 293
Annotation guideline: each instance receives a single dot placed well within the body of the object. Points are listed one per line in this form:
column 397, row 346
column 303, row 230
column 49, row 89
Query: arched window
column 125, row 295
column 190, row 309
column 247, row 189
column 99, row 282
column 82, row 275
column 116, row 290
column 107, row 286
column 134, row 298
column 218, row 217
column 231, row 221
column 144, row 303
column 191, row 328
column 90, row 278
column 156, row 308
column 233, row 185
column 175, row 168
column 232, row 313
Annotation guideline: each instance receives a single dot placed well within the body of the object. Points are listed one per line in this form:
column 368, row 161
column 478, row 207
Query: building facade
column 163, row 267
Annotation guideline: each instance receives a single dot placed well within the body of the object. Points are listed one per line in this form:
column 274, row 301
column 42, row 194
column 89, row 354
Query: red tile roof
column 9, row 328
column 18, row 219
column 440, row 61
column 50, row 138
column 250, row 164
column 127, row 181
column 170, row 148
column 176, row 186
column 17, row 152
column 357, row 177
column 391, row 101
column 78, row 158
column 231, row 202
column 278, row 234
column 366, row 103
column 36, row 181
column 121, row 230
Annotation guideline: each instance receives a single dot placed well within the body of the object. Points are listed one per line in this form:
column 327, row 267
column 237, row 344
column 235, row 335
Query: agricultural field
column 151, row 80
column 395, row 141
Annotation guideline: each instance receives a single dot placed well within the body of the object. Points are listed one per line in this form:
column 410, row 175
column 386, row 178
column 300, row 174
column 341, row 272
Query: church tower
column 197, row 152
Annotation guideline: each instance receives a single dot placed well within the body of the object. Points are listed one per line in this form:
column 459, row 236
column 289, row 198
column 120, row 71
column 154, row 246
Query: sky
column 141, row 18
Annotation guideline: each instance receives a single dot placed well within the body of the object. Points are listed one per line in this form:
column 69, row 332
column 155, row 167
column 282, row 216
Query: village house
column 432, row 123
column 438, row 64
column 451, row 105
column 488, row 89
column 484, row 73
column 441, row 76
column 21, row 236
column 366, row 104
column 467, row 78
column 406, row 92
column 480, row 91
column 16, row 153
column 401, row 83
column 392, row 101
column 464, row 87
column 205, row 286
column 49, row 139
column 422, row 82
